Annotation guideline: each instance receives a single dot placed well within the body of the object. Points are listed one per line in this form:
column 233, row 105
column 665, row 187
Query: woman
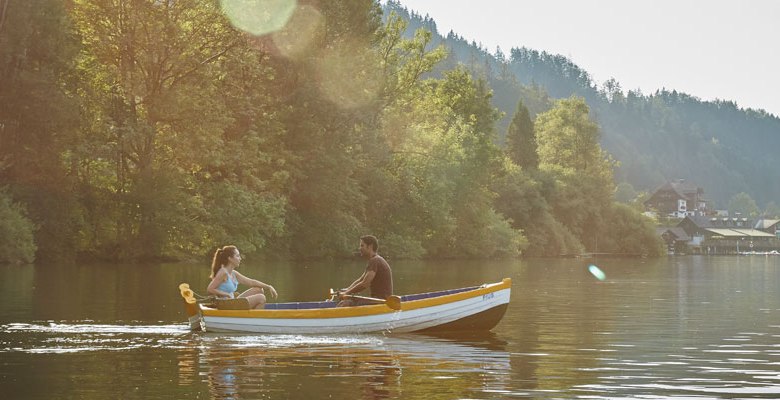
column 225, row 280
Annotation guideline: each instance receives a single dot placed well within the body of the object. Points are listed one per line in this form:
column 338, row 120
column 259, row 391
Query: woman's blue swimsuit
column 230, row 285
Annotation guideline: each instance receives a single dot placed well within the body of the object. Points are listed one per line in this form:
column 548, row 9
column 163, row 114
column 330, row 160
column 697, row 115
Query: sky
column 710, row 49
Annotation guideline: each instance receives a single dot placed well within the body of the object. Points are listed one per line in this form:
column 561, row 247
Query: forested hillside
column 147, row 130
column 655, row 137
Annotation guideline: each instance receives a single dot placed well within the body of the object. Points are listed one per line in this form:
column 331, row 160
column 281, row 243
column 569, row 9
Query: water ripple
column 85, row 336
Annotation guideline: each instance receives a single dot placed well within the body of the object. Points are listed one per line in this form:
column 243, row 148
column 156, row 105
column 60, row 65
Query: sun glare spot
column 294, row 39
column 347, row 78
column 258, row 17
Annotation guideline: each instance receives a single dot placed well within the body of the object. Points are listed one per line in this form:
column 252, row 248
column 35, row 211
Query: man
column 377, row 275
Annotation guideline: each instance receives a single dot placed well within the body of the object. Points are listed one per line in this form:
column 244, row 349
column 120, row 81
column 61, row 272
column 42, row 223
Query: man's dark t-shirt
column 382, row 284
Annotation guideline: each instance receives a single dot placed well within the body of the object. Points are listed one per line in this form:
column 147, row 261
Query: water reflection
column 682, row 327
column 366, row 367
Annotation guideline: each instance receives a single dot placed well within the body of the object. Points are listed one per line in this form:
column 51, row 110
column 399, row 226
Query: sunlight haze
column 709, row 49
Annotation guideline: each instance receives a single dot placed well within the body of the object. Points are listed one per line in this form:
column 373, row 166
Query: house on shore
column 724, row 235
column 768, row 225
column 678, row 199
column 701, row 230
column 676, row 239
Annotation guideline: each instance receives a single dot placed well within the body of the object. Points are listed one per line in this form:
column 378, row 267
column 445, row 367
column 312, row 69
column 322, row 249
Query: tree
column 403, row 165
column 521, row 141
column 625, row 193
column 39, row 120
column 478, row 231
column 772, row 210
column 17, row 243
column 519, row 196
column 569, row 139
column 569, row 151
column 333, row 92
column 630, row 233
column 175, row 95
column 742, row 204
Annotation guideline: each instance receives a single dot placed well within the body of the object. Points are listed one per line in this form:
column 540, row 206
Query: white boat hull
column 478, row 308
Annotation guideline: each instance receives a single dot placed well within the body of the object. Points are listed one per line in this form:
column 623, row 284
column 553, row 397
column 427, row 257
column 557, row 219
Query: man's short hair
column 371, row 240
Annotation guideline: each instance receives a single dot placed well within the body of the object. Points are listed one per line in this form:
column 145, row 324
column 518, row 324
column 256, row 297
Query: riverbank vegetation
column 140, row 130
column 657, row 137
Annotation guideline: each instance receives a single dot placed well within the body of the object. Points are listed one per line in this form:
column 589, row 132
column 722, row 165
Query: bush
column 17, row 243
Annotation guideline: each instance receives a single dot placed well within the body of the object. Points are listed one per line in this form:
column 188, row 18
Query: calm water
column 686, row 327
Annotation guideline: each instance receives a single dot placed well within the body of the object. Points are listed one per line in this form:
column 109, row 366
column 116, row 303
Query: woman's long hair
column 221, row 258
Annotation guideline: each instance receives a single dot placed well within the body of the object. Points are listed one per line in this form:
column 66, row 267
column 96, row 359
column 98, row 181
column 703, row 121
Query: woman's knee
column 256, row 301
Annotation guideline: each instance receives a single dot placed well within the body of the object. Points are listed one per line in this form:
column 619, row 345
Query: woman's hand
column 272, row 290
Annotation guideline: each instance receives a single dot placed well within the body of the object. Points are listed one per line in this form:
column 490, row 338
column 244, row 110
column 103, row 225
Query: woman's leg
column 256, row 301
column 255, row 297
column 252, row 291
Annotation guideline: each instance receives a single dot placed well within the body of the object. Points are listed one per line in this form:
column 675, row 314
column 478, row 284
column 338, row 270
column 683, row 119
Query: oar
column 393, row 301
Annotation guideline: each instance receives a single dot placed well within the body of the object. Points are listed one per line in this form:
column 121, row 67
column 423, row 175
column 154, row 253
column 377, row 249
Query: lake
column 677, row 327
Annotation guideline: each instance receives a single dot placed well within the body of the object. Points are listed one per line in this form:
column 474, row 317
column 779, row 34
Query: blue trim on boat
column 301, row 305
column 309, row 305
column 420, row 296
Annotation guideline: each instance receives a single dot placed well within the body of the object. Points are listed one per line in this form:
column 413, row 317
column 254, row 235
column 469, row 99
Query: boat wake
column 84, row 336
column 81, row 336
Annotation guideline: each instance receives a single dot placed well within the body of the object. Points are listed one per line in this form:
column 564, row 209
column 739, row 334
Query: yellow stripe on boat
column 450, row 298
column 344, row 312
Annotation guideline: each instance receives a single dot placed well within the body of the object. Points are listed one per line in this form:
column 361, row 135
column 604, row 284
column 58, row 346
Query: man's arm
column 255, row 283
column 361, row 283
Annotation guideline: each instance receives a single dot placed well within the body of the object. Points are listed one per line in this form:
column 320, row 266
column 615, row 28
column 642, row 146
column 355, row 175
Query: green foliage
column 628, row 232
column 177, row 102
column 238, row 215
column 332, row 98
column 570, row 153
column 772, row 210
column 519, row 196
column 550, row 238
column 435, row 192
column 744, row 205
column 478, row 231
column 156, row 130
column 402, row 246
column 568, row 138
column 656, row 137
column 39, row 120
column 625, row 193
column 17, row 244
column 521, row 140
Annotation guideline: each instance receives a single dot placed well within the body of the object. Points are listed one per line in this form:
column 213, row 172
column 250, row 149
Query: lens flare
column 294, row 39
column 348, row 78
column 598, row 273
column 258, row 17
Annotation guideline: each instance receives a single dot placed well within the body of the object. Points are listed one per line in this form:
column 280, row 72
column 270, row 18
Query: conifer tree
column 521, row 140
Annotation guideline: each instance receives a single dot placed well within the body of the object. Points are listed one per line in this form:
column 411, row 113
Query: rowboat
column 475, row 308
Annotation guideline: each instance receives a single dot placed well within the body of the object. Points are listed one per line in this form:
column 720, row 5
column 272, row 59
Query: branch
column 204, row 62
column 3, row 13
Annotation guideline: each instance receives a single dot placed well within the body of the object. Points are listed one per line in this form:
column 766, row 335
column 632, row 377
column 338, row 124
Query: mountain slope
column 658, row 137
